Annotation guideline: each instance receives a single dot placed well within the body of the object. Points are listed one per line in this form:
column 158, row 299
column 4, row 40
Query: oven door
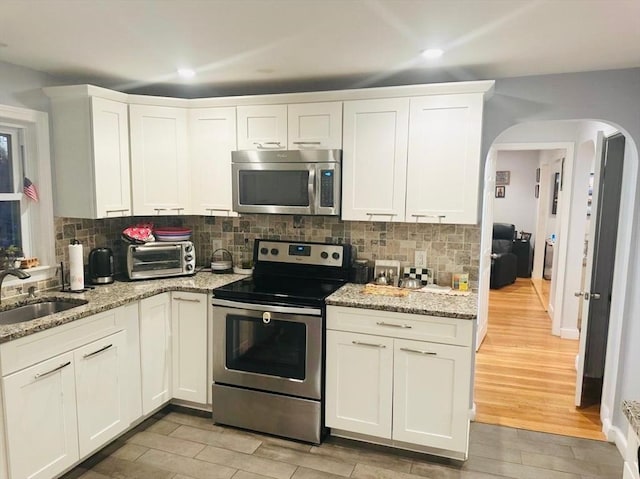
column 277, row 188
column 147, row 261
column 269, row 348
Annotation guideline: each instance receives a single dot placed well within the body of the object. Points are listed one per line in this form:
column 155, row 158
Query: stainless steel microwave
column 299, row 182
column 161, row 260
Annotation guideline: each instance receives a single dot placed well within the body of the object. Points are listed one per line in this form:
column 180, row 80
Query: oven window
column 275, row 349
column 268, row 187
column 158, row 258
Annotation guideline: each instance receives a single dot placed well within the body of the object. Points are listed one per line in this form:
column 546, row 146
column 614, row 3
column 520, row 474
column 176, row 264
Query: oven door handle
column 265, row 307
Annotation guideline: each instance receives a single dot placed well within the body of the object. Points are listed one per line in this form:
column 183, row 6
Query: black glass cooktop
column 279, row 290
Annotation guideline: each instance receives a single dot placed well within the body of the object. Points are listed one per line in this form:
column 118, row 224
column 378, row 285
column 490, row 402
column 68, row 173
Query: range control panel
column 300, row 253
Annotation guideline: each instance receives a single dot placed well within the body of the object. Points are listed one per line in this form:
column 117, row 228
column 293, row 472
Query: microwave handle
column 311, row 188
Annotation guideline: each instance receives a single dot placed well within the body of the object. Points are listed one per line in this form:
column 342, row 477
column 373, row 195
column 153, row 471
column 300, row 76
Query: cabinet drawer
column 23, row 352
column 401, row 325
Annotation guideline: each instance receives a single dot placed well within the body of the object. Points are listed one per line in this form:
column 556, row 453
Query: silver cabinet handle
column 391, row 325
column 158, row 210
column 117, row 211
column 88, row 355
column 211, row 210
column 178, row 209
column 307, row 143
column 381, row 214
column 428, row 353
column 62, row 366
column 440, row 217
column 273, row 145
column 360, row 343
column 189, row 300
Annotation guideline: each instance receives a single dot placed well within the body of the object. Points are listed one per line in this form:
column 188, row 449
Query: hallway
column 525, row 377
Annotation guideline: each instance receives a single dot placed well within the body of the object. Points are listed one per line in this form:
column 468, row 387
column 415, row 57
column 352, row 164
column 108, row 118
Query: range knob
column 335, row 255
column 189, row 267
column 274, row 251
column 264, row 250
column 324, row 255
column 188, row 257
column 188, row 248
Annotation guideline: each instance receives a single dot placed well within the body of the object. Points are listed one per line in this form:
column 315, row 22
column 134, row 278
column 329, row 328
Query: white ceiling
column 133, row 45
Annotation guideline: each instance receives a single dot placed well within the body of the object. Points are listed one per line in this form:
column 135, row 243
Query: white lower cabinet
column 189, row 346
column 66, row 393
column 631, row 468
column 41, row 419
column 155, row 351
column 101, row 371
column 385, row 387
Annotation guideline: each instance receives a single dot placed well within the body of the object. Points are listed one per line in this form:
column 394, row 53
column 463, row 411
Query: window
column 11, row 198
column 26, row 224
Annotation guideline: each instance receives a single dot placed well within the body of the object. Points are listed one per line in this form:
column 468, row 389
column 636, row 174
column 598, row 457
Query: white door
column 189, row 346
column 359, row 383
column 41, row 421
column 315, row 125
column 159, row 160
column 262, row 127
column 444, row 159
column 485, row 248
column 155, row 351
column 101, row 391
column 374, row 163
column 112, row 178
column 431, row 394
column 212, row 139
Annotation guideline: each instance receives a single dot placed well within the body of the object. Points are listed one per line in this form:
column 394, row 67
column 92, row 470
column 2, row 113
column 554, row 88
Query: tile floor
column 176, row 445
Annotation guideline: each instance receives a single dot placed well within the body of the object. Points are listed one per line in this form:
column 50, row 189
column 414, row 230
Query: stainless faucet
column 18, row 273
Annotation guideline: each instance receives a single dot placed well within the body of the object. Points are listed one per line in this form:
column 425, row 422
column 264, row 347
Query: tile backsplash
column 450, row 248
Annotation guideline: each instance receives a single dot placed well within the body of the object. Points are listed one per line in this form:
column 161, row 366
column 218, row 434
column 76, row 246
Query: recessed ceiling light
column 432, row 53
column 186, row 73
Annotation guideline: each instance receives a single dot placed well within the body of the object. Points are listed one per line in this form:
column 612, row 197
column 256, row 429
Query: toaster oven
column 161, row 260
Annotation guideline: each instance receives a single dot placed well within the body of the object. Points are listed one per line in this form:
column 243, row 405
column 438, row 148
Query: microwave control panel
column 327, row 184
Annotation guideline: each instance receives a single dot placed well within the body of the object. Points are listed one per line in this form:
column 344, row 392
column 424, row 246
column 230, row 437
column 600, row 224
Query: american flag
column 30, row 189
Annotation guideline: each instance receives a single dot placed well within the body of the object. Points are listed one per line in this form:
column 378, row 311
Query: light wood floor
column 541, row 287
column 525, row 377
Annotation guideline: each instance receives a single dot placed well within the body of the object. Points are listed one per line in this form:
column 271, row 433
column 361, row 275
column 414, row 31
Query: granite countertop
column 435, row 304
column 106, row 297
column 631, row 410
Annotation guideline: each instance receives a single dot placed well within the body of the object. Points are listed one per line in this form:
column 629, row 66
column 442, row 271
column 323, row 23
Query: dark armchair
column 504, row 263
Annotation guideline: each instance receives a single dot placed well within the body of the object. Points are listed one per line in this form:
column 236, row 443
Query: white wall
column 21, row 87
column 519, row 206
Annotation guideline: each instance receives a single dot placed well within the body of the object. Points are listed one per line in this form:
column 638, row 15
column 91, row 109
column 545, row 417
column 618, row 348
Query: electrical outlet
column 420, row 259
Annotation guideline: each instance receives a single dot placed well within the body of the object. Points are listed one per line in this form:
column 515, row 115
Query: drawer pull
column 360, row 343
column 189, row 300
column 62, row 366
column 429, row 353
column 391, row 325
column 88, row 355
column 307, row 143
column 381, row 214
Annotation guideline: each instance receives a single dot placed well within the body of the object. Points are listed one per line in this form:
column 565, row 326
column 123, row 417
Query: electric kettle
column 101, row 266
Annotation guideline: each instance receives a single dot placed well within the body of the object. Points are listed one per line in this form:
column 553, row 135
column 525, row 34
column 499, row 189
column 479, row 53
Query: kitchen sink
column 39, row 309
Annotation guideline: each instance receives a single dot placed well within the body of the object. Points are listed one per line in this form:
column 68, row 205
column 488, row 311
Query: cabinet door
column 155, row 351
column 431, row 394
column 101, row 372
column 359, row 383
column 444, row 159
column 41, row 421
column 374, row 159
column 212, row 139
column 111, row 157
column 315, row 125
column 189, row 333
column 262, row 127
column 159, row 166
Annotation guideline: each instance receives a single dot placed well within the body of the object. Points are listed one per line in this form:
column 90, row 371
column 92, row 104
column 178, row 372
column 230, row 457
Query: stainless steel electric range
column 268, row 357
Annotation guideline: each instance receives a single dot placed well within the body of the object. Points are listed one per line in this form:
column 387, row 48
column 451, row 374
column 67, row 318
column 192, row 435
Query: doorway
column 561, row 326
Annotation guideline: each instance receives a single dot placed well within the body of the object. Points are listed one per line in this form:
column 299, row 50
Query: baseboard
column 569, row 333
column 616, row 436
column 472, row 412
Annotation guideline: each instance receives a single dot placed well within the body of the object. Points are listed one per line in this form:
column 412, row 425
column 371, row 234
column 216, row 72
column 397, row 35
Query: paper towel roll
column 76, row 267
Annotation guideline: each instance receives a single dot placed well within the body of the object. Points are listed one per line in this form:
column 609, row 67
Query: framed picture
column 503, row 177
column 499, row 191
column 537, row 191
column 537, row 176
column 556, row 189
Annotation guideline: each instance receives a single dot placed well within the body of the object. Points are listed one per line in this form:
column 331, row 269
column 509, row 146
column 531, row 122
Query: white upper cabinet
column 91, row 157
column 212, row 138
column 315, row 126
column 159, row 160
column 444, row 159
column 262, row 127
column 375, row 159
